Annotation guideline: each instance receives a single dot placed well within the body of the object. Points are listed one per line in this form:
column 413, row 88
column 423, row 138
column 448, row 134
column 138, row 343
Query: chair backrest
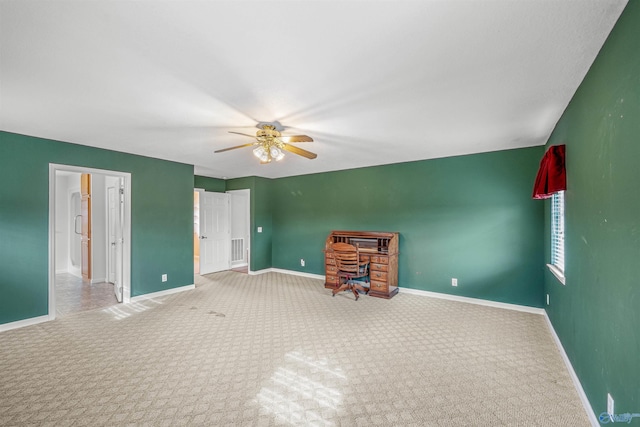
column 348, row 259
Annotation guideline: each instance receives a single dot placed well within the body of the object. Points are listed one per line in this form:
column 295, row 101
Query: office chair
column 350, row 267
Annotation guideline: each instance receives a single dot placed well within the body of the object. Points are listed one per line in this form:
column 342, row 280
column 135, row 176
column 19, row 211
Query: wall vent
column 237, row 250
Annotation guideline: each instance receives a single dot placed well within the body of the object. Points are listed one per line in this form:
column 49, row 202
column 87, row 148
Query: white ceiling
column 372, row 82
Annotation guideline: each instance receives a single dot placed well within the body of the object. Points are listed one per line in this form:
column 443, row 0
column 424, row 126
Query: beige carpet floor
column 278, row 350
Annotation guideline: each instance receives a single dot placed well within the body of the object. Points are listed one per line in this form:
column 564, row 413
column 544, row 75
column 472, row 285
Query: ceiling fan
column 271, row 145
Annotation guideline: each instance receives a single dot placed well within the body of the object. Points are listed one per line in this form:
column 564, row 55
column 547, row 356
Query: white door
column 111, row 233
column 215, row 238
column 115, row 214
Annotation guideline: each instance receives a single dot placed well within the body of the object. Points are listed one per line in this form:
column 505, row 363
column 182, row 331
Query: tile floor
column 73, row 295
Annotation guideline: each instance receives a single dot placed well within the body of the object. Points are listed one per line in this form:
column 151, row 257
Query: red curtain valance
column 551, row 176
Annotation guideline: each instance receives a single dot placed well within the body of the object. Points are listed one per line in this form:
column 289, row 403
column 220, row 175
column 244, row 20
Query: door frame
column 126, row 229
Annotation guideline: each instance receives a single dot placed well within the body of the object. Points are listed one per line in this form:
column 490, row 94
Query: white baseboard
column 297, row 273
column 420, row 292
column 23, row 323
column 576, row 382
column 477, row 301
column 244, row 264
column 162, row 293
column 291, row 272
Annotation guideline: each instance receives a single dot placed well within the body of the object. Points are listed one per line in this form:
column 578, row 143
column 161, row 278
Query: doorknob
column 203, row 237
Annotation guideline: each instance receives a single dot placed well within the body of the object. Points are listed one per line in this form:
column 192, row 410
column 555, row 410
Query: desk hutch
column 379, row 248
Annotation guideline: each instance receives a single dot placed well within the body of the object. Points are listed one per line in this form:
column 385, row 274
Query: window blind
column 557, row 230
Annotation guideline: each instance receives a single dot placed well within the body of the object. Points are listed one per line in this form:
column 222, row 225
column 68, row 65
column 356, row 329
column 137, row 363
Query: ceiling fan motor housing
column 268, row 132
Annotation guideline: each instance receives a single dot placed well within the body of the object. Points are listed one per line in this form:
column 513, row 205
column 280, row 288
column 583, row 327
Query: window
column 557, row 235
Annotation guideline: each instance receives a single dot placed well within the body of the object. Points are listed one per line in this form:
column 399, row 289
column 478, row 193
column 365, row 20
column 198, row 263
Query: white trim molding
column 576, row 381
column 477, row 301
column 143, row 297
column 558, row 273
column 255, row 273
column 297, row 273
column 420, row 292
column 22, row 323
column 290, row 272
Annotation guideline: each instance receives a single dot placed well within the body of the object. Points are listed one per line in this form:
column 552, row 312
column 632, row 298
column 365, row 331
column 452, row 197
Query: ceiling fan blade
column 299, row 151
column 296, row 138
column 243, row 134
column 233, row 148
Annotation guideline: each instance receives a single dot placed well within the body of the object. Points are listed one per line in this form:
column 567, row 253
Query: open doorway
column 221, row 232
column 89, row 235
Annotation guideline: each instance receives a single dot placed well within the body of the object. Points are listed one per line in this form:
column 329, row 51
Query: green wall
column 596, row 315
column 209, row 184
column 469, row 217
column 161, row 216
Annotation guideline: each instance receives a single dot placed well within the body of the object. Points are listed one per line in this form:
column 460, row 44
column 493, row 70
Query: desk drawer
column 380, row 276
column 379, row 286
column 330, row 261
column 380, row 260
column 331, row 269
column 332, row 280
column 379, row 267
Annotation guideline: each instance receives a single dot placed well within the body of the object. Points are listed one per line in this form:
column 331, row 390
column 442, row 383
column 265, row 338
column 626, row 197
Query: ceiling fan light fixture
column 259, row 151
column 276, row 153
column 262, row 153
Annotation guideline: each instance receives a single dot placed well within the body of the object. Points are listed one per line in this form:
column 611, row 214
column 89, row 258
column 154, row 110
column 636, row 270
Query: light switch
column 259, row 229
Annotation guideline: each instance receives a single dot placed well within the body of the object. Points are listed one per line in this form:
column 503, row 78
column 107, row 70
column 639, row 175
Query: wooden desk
column 379, row 248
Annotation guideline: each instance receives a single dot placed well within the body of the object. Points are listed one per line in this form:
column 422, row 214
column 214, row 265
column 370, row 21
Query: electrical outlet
column 547, row 299
column 301, row 262
column 610, row 409
column 164, row 277
column 454, row 282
